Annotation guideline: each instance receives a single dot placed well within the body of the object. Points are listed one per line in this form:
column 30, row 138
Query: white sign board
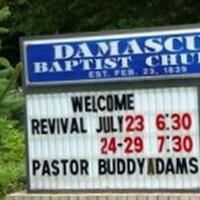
column 123, row 139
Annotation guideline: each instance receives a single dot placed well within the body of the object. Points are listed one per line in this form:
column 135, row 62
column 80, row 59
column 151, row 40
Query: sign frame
column 151, row 82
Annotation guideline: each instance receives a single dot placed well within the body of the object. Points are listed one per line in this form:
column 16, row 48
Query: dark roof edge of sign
column 111, row 32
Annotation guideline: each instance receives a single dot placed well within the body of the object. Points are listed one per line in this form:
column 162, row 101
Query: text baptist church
column 121, row 54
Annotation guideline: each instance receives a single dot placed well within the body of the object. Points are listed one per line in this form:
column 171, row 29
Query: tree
column 8, row 77
column 11, row 137
column 31, row 17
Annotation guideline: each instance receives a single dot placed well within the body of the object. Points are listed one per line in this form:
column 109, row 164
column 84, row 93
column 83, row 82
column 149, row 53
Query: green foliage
column 4, row 13
column 12, row 108
column 11, row 178
column 11, row 143
column 11, row 160
column 11, row 133
column 8, row 75
column 10, row 97
column 5, row 72
column 12, row 173
column 10, row 80
column 32, row 17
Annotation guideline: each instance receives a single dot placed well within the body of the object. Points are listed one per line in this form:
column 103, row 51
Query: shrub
column 12, row 167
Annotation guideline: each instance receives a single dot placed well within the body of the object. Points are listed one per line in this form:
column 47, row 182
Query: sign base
column 104, row 196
